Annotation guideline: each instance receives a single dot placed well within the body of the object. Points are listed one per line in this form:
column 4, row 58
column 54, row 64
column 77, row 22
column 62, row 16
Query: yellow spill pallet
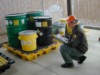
column 32, row 55
column 3, row 61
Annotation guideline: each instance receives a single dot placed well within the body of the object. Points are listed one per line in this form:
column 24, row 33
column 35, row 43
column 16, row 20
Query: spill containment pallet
column 32, row 55
column 5, row 62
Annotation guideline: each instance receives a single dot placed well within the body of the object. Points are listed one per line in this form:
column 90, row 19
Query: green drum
column 16, row 19
column 13, row 31
column 14, row 24
column 30, row 18
column 14, row 41
column 35, row 13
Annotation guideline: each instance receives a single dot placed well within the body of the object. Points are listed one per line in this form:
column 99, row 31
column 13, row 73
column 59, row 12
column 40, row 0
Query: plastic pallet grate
column 5, row 62
column 35, row 54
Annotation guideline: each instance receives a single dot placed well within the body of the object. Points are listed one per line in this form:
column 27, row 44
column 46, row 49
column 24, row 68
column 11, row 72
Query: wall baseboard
column 92, row 27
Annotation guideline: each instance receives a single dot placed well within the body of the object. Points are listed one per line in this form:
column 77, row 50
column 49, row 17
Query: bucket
column 62, row 31
column 17, row 19
column 61, row 28
column 28, row 40
column 68, row 30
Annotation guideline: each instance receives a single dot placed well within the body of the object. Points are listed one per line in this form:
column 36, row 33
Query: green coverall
column 76, row 47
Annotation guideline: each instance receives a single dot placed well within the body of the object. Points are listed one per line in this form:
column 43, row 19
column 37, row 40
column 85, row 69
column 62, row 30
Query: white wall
column 87, row 11
column 20, row 6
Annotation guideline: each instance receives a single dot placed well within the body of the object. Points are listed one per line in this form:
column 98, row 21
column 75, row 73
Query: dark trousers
column 69, row 53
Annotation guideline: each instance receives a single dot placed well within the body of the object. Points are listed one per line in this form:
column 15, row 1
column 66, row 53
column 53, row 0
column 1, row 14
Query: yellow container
column 68, row 29
column 28, row 40
column 62, row 29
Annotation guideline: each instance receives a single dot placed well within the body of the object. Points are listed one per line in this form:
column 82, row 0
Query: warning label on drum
column 23, row 21
column 38, row 24
column 6, row 22
column 44, row 24
column 25, row 42
column 16, row 22
column 10, row 22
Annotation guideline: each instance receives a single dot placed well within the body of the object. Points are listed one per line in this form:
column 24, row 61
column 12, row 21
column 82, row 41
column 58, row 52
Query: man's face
column 72, row 24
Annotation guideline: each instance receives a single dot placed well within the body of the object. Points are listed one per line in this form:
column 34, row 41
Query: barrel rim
column 42, row 17
column 16, row 14
column 27, row 32
column 39, row 11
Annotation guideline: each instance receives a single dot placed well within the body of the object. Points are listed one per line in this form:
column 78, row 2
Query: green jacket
column 78, row 39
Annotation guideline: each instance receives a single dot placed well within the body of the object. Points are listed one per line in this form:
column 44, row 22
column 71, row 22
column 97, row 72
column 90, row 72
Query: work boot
column 67, row 65
column 81, row 59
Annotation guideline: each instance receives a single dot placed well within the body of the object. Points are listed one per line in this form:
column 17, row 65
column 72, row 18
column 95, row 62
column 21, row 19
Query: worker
column 77, row 44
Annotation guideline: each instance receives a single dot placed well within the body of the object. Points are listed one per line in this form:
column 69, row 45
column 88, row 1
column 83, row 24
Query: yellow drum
column 28, row 40
column 68, row 29
column 62, row 29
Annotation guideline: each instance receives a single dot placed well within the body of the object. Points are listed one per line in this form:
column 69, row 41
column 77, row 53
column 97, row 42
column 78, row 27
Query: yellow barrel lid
column 27, row 32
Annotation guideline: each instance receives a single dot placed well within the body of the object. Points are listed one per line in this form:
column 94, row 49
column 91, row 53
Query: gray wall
column 54, row 8
column 87, row 11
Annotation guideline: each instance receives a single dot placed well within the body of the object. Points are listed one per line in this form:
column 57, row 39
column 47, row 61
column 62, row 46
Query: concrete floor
column 50, row 64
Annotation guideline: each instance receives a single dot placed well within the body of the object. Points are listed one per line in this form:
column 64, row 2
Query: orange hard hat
column 71, row 18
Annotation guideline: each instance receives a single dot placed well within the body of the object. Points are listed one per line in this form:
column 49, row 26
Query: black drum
column 45, row 31
column 42, row 22
column 30, row 18
column 44, row 40
column 43, row 25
